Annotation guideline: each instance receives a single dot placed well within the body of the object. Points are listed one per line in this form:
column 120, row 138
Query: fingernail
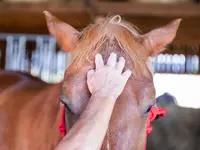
column 112, row 53
column 122, row 59
column 91, row 71
column 97, row 55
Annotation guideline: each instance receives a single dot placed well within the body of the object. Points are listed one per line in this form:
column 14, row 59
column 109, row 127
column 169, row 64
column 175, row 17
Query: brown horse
column 30, row 110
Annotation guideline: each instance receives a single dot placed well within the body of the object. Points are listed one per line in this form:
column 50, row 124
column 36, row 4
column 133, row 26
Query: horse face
column 127, row 128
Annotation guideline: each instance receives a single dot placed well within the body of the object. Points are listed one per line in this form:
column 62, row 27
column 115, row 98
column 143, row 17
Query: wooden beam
column 188, row 32
column 28, row 18
column 149, row 16
column 148, row 9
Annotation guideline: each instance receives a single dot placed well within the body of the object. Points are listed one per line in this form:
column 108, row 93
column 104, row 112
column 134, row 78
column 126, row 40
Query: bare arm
column 89, row 131
column 105, row 84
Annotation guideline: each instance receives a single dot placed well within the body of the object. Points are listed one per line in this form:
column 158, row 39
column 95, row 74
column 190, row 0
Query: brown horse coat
column 30, row 111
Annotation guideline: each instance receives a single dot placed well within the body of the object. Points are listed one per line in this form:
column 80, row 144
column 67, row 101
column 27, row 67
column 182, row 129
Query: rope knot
column 154, row 114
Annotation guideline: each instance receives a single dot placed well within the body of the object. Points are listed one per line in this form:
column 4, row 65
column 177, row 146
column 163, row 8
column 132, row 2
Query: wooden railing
column 40, row 56
column 183, row 59
column 35, row 54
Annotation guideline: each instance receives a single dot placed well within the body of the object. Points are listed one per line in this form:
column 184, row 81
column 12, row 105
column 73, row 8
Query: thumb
column 90, row 73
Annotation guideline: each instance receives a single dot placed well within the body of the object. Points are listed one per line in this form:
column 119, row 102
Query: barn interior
column 25, row 45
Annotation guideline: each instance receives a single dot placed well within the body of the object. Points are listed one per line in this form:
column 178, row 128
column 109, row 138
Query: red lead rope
column 154, row 113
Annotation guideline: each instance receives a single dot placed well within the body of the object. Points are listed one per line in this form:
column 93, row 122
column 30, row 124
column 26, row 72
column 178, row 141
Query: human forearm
column 89, row 131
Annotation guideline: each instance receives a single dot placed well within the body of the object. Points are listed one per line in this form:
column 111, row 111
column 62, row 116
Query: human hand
column 108, row 80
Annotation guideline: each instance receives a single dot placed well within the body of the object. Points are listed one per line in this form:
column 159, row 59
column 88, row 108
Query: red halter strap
column 154, row 113
column 62, row 126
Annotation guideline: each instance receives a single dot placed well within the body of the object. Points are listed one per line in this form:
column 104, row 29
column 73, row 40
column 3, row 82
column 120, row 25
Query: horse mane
column 110, row 33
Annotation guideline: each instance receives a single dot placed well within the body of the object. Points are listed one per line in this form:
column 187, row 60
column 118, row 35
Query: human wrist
column 100, row 95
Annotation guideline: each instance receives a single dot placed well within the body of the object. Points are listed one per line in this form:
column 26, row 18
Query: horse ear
column 66, row 35
column 157, row 39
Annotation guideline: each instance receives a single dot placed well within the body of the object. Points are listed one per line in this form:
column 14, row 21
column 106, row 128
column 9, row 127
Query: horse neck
column 50, row 113
column 34, row 113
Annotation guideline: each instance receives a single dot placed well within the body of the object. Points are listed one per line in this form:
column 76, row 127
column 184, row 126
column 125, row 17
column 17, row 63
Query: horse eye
column 148, row 109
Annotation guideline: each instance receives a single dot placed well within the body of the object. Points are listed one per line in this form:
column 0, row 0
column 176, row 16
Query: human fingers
column 120, row 65
column 127, row 74
column 90, row 73
column 112, row 60
column 98, row 61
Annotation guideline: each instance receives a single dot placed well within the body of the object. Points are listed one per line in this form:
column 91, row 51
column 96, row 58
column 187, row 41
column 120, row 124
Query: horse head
column 127, row 127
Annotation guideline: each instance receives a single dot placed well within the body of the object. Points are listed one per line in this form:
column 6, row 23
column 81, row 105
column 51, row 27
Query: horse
column 30, row 109
column 165, row 100
column 178, row 130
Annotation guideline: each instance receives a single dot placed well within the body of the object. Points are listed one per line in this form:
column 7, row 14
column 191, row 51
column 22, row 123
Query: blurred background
column 25, row 44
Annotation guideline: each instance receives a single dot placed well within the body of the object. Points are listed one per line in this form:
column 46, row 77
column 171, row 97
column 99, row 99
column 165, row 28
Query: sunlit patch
column 185, row 88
